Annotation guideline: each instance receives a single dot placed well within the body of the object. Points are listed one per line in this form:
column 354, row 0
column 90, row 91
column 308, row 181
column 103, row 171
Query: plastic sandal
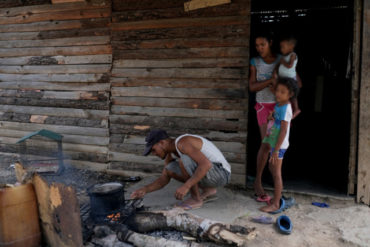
column 210, row 198
column 263, row 219
column 281, row 209
column 284, row 224
column 262, row 198
column 320, row 204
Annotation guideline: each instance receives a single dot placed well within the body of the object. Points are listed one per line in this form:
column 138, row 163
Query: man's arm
column 156, row 185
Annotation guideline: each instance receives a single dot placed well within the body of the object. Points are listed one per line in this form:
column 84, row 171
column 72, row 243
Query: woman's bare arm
column 253, row 85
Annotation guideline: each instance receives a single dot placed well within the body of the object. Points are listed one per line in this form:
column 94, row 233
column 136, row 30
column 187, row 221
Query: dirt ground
column 344, row 223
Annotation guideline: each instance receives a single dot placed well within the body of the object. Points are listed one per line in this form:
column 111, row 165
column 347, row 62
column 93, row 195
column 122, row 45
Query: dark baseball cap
column 152, row 138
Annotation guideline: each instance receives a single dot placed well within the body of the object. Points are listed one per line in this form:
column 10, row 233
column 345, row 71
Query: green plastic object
column 43, row 132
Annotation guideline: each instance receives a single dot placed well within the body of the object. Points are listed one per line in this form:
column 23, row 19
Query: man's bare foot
column 296, row 113
column 190, row 204
column 207, row 192
column 269, row 208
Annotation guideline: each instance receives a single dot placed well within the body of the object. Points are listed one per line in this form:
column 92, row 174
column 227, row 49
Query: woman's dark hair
column 291, row 84
column 264, row 34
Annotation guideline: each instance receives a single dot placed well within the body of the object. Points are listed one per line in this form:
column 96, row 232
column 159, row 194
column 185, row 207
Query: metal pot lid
column 106, row 188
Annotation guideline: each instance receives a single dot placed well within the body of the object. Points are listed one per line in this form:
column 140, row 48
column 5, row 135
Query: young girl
column 287, row 67
column 278, row 138
column 261, row 81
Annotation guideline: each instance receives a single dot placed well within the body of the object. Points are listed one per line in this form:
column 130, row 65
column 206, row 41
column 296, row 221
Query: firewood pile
column 66, row 220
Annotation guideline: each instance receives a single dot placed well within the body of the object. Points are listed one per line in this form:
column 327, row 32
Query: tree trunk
column 142, row 240
column 200, row 228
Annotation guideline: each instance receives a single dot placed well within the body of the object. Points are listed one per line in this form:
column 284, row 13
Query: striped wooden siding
column 181, row 71
column 55, row 62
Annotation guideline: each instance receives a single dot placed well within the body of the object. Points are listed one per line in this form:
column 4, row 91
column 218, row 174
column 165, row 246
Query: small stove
column 107, row 206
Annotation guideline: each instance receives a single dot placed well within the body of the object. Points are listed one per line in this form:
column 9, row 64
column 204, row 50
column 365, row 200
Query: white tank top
column 209, row 150
column 288, row 72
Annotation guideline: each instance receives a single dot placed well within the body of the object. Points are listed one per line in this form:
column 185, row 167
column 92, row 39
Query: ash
column 169, row 235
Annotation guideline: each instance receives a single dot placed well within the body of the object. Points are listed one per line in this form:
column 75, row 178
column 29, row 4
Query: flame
column 114, row 217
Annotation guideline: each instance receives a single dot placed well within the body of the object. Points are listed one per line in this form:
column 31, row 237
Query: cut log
column 142, row 240
column 178, row 219
column 59, row 213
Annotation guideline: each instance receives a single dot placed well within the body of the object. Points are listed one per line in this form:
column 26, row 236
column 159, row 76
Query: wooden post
column 356, row 54
column 363, row 184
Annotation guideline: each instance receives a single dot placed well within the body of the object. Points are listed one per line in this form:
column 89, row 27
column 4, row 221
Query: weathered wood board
column 103, row 73
column 363, row 177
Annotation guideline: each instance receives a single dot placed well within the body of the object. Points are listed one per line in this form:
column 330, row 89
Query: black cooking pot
column 106, row 199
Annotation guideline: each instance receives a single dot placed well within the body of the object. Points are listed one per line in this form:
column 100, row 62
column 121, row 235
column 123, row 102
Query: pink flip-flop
column 263, row 198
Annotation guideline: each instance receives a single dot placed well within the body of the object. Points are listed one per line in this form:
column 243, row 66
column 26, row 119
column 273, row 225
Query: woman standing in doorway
column 262, row 81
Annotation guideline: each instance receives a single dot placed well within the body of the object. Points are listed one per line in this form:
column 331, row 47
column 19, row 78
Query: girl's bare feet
column 258, row 189
column 272, row 206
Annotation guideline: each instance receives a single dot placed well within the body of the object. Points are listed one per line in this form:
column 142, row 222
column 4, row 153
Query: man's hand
column 181, row 192
column 140, row 193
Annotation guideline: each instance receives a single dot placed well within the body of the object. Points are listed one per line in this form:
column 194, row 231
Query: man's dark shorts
column 217, row 176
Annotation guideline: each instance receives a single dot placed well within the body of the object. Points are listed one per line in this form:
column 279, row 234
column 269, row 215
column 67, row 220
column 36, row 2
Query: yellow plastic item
column 19, row 220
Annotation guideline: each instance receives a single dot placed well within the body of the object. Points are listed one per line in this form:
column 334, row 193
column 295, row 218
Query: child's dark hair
column 291, row 84
column 289, row 38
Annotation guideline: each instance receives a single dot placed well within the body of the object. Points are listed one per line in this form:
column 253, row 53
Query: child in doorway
column 278, row 137
column 287, row 67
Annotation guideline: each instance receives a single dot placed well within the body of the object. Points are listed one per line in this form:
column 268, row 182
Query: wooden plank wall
column 181, row 71
column 55, row 62
column 363, row 185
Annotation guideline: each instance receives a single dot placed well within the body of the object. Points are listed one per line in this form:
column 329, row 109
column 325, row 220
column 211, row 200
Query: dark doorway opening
column 318, row 156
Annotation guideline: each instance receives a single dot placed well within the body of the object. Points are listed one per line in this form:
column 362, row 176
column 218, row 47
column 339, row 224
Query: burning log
column 142, row 240
column 202, row 229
